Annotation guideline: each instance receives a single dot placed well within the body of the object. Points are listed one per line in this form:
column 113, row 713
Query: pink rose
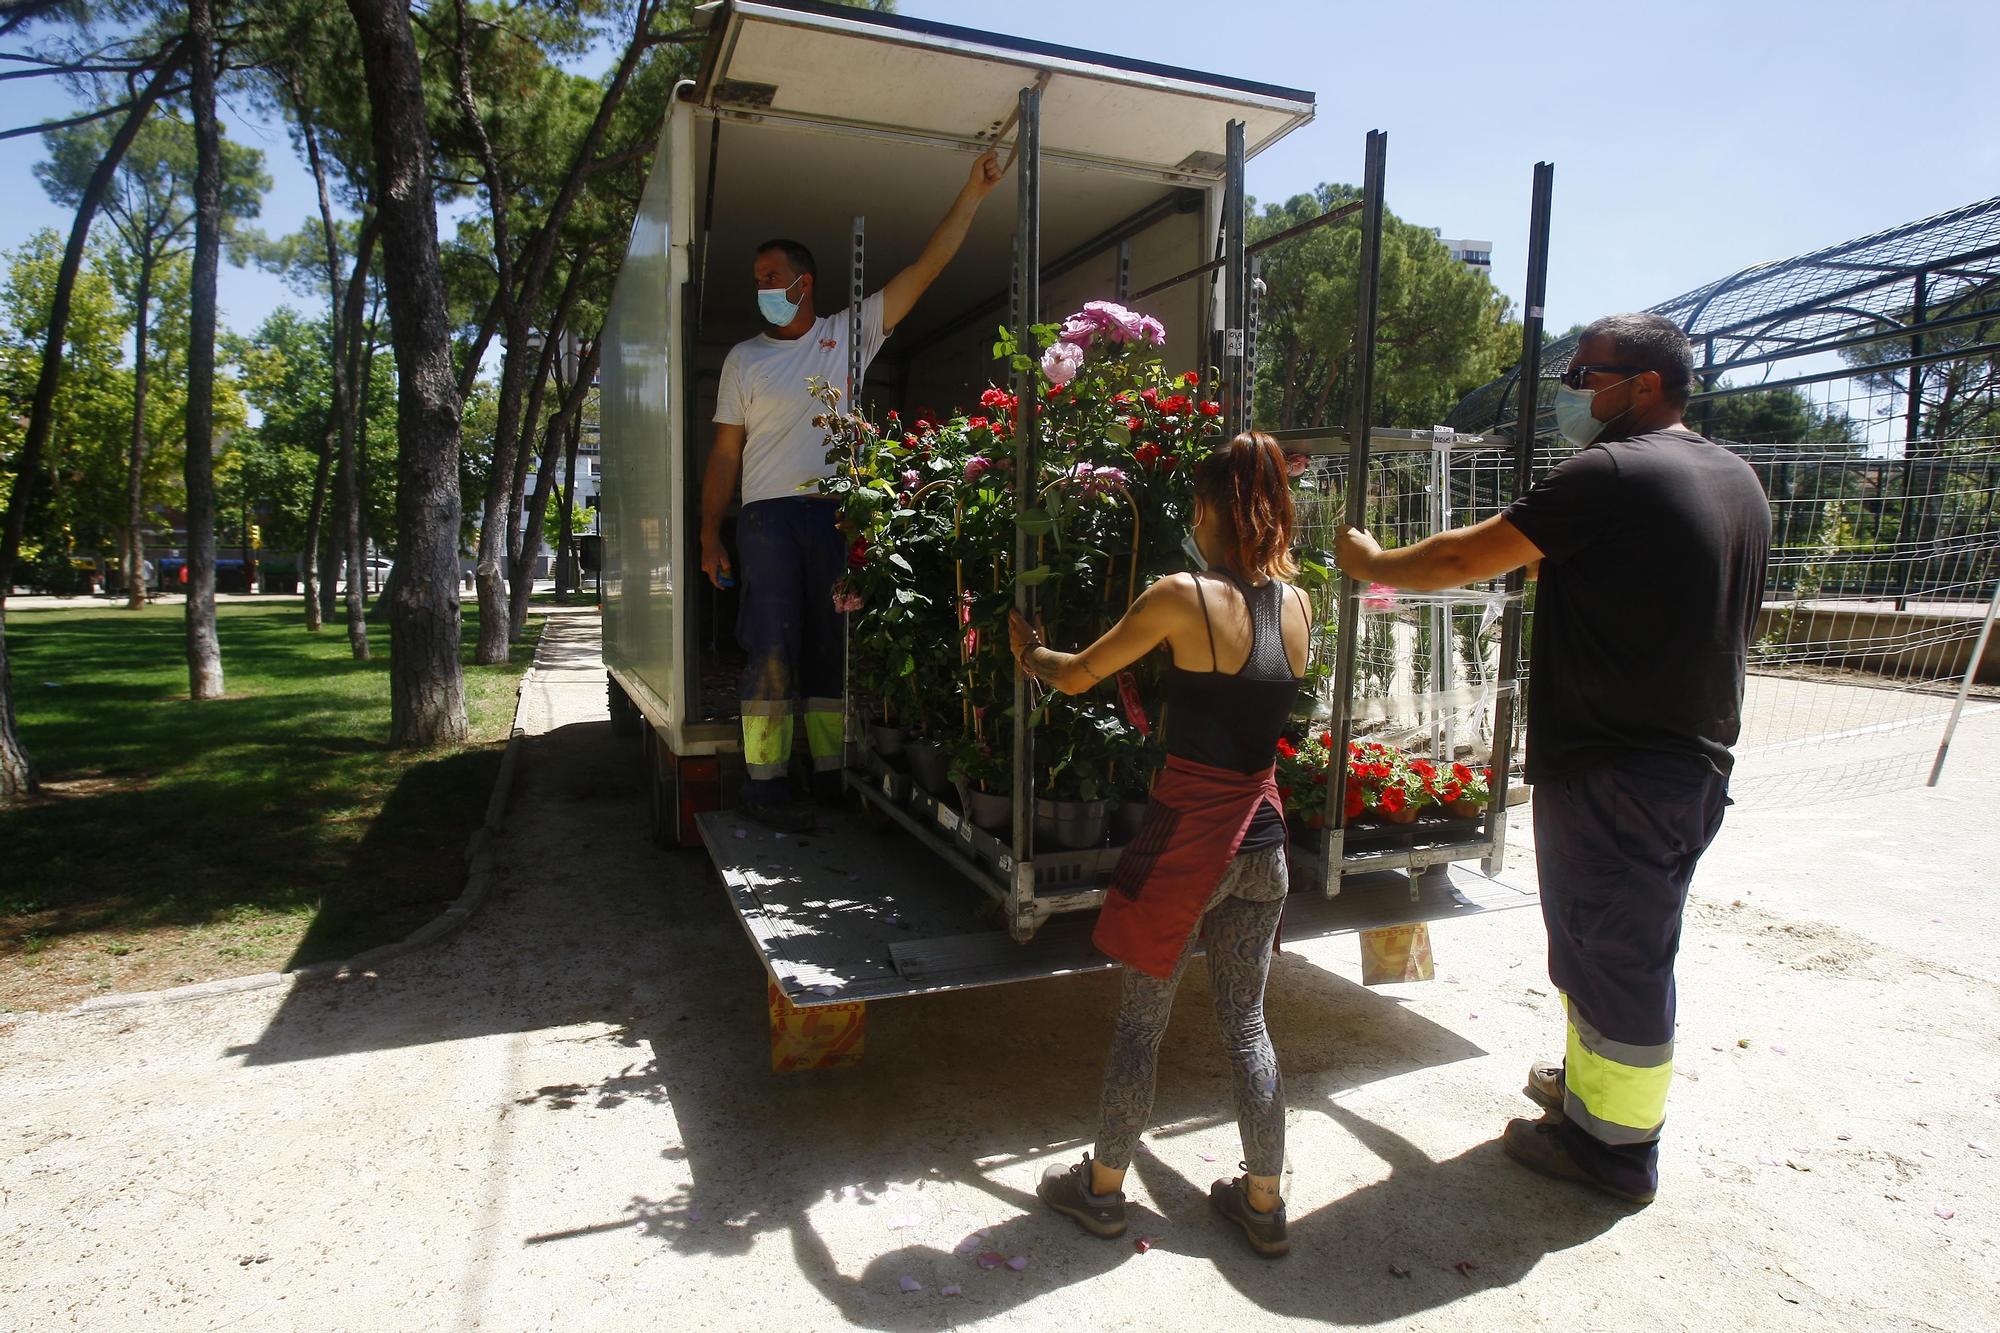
column 845, row 598
column 1296, row 465
column 977, row 466
column 911, row 479
column 1061, row 362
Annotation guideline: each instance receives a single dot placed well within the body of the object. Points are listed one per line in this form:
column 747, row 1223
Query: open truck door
column 1126, row 183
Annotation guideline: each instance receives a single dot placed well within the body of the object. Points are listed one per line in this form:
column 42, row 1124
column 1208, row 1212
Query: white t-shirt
column 763, row 390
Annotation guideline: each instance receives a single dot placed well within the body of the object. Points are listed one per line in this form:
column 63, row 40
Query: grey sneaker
column 1067, row 1190
column 1545, row 1086
column 1266, row 1231
column 782, row 816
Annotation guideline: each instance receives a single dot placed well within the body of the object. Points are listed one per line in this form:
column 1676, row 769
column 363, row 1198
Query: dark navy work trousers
column 1615, row 847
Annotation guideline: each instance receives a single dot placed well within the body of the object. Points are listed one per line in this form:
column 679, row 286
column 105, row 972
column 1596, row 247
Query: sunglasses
column 1573, row 377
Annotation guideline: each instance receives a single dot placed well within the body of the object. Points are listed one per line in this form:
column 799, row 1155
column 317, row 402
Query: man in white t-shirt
column 791, row 551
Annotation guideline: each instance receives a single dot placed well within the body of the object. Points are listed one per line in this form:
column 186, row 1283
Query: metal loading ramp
column 851, row 913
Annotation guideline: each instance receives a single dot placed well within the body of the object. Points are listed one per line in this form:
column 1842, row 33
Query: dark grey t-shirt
column 1652, row 574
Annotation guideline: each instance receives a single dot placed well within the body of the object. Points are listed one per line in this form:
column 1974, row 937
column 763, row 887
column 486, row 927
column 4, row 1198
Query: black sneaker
column 1266, row 1231
column 1067, row 1190
column 782, row 816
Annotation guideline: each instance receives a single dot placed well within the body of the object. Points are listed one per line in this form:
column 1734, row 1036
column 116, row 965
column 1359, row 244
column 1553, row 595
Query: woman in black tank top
column 1211, row 853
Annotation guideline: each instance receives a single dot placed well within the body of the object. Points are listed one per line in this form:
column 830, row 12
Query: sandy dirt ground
column 562, row 1117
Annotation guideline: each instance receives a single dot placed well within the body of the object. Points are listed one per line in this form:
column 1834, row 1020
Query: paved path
column 561, row 1118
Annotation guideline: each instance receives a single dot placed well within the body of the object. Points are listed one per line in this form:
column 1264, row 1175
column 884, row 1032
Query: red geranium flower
column 1326, row 739
column 1461, row 773
column 1451, row 794
column 1286, row 748
column 1356, row 802
column 1393, row 799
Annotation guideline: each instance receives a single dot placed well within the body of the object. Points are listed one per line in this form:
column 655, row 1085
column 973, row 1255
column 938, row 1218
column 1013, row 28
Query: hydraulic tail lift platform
column 1126, row 182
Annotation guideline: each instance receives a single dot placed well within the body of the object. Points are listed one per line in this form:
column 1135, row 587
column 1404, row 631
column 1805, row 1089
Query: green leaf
column 896, row 559
column 1118, row 433
column 1030, row 578
column 1035, row 522
column 909, row 665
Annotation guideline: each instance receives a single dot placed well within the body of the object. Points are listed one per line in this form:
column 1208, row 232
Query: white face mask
column 1192, row 549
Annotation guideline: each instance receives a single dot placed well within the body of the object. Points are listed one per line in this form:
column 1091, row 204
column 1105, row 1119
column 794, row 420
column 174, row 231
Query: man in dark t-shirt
column 1650, row 544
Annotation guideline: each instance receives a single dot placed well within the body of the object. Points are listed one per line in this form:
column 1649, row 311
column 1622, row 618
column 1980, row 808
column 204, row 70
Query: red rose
column 1191, row 379
column 893, row 416
column 1356, row 802
column 978, row 423
column 1150, row 395
column 857, row 554
column 1393, row 800
column 1134, row 423
column 1211, row 409
column 1147, row 454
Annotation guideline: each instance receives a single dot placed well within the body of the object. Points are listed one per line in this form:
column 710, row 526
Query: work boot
column 1545, row 1086
column 1266, row 1231
column 829, row 789
column 1538, row 1145
column 1067, row 1190
column 781, row 816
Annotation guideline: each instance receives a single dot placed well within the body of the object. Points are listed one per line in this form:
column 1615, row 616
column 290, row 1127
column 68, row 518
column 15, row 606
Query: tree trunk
column 560, row 427
column 565, row 538
column 310, row 566
column 17, row 774
column 346, row 378
column 135, row 472
column 426, row 686
column 204, row 650
column 309, row 558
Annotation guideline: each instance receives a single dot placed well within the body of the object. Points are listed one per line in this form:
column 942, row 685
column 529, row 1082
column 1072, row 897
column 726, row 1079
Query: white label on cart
column 947, row 819
column 1232, row 342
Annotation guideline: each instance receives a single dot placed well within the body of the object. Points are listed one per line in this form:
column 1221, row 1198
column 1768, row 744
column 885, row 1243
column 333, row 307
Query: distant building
column 1475, row 255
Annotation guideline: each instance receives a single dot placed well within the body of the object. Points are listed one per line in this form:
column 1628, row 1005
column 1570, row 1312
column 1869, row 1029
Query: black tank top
column 1233, row 720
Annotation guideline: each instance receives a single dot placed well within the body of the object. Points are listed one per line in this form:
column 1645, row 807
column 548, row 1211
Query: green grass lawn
column 268, row 829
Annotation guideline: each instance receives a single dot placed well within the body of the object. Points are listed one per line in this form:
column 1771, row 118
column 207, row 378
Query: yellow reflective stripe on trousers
column 823, row 734
column 767, row 743
column 1614, row 1091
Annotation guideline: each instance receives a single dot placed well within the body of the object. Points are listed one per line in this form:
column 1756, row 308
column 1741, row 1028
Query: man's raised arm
column 900, row 296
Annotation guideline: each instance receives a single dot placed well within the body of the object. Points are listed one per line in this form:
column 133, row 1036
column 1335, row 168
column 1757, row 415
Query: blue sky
column 1690, row 139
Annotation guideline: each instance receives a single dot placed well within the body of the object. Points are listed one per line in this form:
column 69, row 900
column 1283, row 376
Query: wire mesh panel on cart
column 1427, row 671
column 1860, row 382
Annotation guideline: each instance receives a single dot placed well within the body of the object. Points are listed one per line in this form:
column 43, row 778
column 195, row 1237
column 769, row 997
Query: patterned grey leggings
column 1241, row 924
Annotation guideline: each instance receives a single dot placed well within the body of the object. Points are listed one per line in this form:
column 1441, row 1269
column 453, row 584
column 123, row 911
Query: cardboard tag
column 1396, row 953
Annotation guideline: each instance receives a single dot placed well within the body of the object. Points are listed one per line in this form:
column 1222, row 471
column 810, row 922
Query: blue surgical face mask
column 775, row 306
column 1573, row 415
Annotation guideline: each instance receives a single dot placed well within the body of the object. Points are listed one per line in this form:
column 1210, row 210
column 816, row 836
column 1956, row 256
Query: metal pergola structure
column 1898, row 286
column 1031, row 888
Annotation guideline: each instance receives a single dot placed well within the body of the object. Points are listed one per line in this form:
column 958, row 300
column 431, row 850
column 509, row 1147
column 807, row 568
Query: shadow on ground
column 972, row 1089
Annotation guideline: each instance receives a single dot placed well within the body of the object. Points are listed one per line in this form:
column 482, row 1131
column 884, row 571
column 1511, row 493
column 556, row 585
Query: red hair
column 1247, row 485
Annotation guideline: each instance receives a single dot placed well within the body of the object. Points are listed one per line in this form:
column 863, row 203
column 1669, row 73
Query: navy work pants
column 1615, row 847
column 791, row 554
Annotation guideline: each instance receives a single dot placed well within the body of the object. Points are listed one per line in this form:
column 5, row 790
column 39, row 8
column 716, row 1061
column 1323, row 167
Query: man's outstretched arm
column 1446, row 560
column 900, row 296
